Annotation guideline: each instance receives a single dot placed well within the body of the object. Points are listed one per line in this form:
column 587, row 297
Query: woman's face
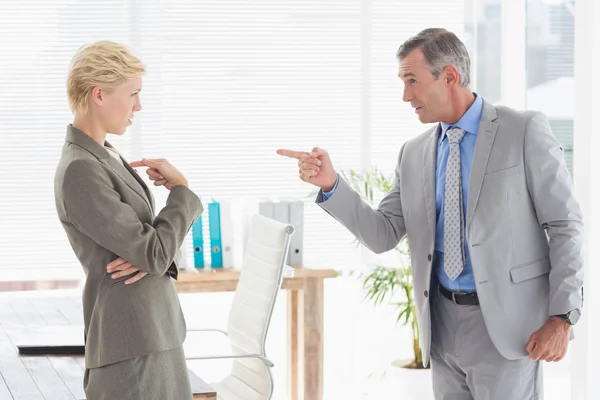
column 118, row 107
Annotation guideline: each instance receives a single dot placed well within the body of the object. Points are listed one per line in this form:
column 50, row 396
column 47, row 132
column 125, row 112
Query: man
column 494, row 230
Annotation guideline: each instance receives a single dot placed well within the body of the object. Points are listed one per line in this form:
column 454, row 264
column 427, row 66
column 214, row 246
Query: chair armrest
column 267, row 362
column 209, row 330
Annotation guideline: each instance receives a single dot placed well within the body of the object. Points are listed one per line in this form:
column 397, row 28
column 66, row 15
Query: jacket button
column 429, row 257
column 426, row 293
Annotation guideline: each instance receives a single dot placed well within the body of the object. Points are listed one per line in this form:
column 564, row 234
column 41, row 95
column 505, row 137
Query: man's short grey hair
column 440, row 48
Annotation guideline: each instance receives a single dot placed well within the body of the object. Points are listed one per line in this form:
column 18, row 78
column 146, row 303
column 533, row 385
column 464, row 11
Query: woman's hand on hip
column 121, row 267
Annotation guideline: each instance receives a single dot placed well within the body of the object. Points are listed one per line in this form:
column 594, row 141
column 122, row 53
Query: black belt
column 460, row 298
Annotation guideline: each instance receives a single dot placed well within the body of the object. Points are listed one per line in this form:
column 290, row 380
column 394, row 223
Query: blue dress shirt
column 470, row 123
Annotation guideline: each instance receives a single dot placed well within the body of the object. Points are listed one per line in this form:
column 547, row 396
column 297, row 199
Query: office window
column 550, row 66
column 228, row 83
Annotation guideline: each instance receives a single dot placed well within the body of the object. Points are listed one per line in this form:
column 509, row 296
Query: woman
column 134, row 326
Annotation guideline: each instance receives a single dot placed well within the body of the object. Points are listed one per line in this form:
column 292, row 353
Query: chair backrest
column 260, row 281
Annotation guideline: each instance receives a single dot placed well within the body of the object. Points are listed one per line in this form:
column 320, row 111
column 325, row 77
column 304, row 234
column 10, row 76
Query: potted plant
column 389, row 284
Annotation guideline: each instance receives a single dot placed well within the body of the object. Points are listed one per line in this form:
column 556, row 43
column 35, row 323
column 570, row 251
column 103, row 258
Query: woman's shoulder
column 77, row 163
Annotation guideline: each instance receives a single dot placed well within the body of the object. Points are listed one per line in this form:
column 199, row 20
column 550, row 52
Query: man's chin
column 423, row 119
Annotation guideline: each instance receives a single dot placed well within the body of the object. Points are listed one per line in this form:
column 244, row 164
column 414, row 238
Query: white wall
column 585, row 352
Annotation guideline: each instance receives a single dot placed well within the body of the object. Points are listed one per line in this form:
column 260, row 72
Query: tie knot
column 455, row 135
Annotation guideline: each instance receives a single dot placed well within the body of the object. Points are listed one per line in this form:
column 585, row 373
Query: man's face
column 427, row 95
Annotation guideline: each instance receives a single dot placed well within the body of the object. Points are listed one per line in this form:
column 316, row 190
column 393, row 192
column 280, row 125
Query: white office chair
column 261, row 277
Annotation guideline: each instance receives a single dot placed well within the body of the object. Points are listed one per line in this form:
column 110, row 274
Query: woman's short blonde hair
column 104, row 63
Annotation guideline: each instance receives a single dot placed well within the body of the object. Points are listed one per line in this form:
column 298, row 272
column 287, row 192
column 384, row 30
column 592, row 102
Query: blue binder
column 214, row 227
column 198, row 241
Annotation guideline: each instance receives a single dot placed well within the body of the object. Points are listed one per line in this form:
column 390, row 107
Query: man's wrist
column 572, row 317
column 329, row 188
column 560, row 320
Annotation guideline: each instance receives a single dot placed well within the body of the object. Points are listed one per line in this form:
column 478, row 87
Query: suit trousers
column 155, row 376
column 465, row 364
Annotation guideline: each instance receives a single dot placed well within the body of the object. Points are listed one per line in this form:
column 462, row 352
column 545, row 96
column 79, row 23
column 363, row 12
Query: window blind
column 392, row 122
column 228, row 83
column 37, row 41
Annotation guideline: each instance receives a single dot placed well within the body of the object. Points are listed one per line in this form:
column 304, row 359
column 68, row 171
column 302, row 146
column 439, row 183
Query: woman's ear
column 97, row 95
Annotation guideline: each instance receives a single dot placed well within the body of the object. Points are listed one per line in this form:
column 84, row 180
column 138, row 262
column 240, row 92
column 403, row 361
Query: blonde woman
column 134, row 326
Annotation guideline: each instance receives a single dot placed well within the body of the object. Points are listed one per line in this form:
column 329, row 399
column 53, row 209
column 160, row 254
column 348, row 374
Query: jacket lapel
column 131, row 173
column 137, row 177
column 428, row 170
column 483, row 147
column 121, row 169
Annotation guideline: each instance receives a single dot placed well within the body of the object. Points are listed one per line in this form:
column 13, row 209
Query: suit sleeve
column 558, row 212
column 173, row 270
column 379, row 230
column 96, row 209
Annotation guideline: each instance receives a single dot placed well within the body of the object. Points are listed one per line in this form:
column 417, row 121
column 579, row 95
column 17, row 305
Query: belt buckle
column 454, row 298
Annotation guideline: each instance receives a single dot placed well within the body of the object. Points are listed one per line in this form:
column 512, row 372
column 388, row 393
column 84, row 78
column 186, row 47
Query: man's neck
column 462, row 101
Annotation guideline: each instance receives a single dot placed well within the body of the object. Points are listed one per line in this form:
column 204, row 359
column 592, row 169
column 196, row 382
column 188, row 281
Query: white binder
column 296, row 218
column 281, row 211
column 227, row 234
column 266, row 208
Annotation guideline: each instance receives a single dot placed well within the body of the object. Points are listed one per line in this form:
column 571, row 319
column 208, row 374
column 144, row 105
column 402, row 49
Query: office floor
column 360, row 344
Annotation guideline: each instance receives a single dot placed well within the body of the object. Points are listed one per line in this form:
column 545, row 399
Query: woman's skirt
column 156, row 376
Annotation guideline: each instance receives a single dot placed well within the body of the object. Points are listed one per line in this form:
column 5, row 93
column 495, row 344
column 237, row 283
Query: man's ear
column 451, row 75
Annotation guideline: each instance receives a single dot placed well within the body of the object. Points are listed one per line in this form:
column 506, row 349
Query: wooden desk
column 47, row 377
column 305, row 320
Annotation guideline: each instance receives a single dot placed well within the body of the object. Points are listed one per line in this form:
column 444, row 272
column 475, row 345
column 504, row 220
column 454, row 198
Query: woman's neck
column 90, row 128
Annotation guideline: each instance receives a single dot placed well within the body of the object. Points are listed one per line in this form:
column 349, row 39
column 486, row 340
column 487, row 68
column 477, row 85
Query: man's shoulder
column 506, row 113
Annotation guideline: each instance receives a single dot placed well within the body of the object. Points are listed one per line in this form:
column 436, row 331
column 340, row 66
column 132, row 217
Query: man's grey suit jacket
column 523, row 226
